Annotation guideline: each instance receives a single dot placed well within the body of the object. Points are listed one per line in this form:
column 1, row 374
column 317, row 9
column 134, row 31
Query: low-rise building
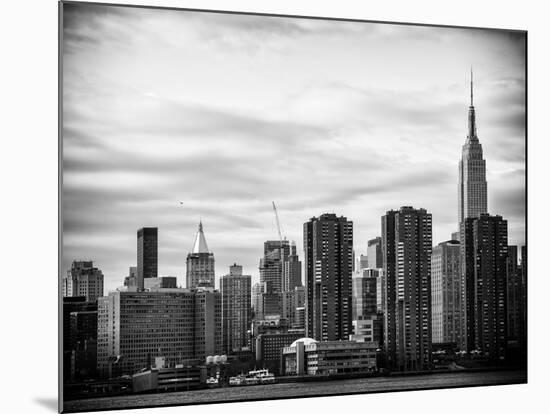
column 179, row 378
column 306, row 356
column 269, row 348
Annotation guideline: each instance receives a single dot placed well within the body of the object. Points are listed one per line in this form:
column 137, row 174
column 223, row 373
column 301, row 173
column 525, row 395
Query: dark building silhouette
column 147, row 254
column 407, row 248
column 374, row 253
column 484, row 252
column 79, row 338
column 200, row 271
column 236, row 309
column 516, row 297
column 328, row 256
column 292, row 270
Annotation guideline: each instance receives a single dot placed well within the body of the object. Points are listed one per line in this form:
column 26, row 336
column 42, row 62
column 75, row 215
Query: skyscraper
column 516, row 288
column 292, row 270
column 208, row 323
column 472, row 184
column 328, row 256
column 272, row 266
column 291, row 300
column 406, row 249
column 276, row 252
column 484, row 253
column 200, row 270
column 446, row 293
column 235, row 289
column 147, row 254
column 83, row 279
column 256, row 297
column 374, row 253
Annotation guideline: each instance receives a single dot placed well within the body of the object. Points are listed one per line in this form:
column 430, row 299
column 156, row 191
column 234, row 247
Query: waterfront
column 292, row 390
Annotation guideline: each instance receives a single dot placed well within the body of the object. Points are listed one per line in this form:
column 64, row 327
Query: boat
column 236, row 381
column 212, row 382
column 261, row 376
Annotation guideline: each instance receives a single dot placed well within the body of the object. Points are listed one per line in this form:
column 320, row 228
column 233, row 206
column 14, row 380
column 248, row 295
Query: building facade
column 79, row 338
column 200, row 271
column 407, row 248
column 374, row 253
column 485, row 254
column 162, row 282
column 328, row 256
column 236, row 309
column 292, row 270
column 446, row 293
column 517, row 292
column 136, row 327
column 276, row 253
column 306, row 356
column 366, row 319
column 147, row 254
column 83, row 279
column 269, row 348
column 292, row 300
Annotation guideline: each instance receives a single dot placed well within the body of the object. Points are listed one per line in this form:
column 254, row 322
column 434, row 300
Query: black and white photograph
column 261, row 206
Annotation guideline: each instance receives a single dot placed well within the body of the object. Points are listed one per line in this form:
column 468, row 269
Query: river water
column 300, row 389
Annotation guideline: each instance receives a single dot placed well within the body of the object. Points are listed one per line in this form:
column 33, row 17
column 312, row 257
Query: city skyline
column 352, row 124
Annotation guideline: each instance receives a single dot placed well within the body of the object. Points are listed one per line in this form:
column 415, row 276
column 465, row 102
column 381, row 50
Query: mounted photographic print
column 257, row 207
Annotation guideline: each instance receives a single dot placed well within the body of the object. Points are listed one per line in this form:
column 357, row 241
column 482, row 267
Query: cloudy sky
column 229, row 112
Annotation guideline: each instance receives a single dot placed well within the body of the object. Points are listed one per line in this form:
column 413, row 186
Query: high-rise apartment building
column 236, row 316
column 83, row 279
column 328, row 258
column 147, row 254
column 446, row 293
column 406, row 250
column 516, row 288
column 200, row 270
column 484, row 254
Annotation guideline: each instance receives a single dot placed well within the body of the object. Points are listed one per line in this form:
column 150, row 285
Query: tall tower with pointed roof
column 200, row 263
column 472, row 182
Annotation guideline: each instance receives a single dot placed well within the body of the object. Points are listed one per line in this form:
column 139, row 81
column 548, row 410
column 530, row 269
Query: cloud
column 227, row 113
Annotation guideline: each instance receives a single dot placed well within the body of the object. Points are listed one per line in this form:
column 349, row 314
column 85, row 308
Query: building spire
column 200, row 245
column 472, row 133
column 471, row 86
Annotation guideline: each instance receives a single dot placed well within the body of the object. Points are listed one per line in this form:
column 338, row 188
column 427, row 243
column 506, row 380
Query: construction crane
column 278, row 223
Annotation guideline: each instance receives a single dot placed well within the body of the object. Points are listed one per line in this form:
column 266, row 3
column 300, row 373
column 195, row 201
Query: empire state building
column 472, row 184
